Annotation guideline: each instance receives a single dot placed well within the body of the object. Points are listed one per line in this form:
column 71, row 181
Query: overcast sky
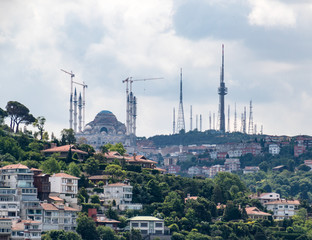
column 268, row 57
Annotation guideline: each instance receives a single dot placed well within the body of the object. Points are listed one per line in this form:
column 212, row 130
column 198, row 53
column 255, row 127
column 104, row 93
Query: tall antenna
column 261, row 132
column 209, row 120
column 214, row 121
column 255, row 129
column 181, row 123
column 250, row 125
column 173, row 127
column 244, row 121
column 222, row 91
column 191, row 119
column 229, row 128
column 235, row 120
column 200, row 123
column 71, row 98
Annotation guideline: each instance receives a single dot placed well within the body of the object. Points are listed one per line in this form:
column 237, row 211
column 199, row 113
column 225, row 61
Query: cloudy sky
column 267, row 59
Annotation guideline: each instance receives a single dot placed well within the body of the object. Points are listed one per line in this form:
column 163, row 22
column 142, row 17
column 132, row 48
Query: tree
column 95, row 199
column 119, row 148
column 39, row 123
column 115, row 171
column 86, row 228
column 73, row 169
column 50, row 166
column 60, row 235
column 231, row 212
column 91, row 166
column 106, row 233
column 3, row 114
column 68, row 136
column 18, row 113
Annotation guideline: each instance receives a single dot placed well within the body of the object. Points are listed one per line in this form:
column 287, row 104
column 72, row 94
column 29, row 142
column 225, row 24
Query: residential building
column 58, row 217
column 101, row 220
column 251, row 169
column 255, row 213
column 99, row 178
column 64, row 151
column 173, row 169
column 232, row 164
column 5, row 228
column 121, row 193
column 9, row 203
column 20, row 178
column 65, row 186
column 147, row 225
column 195, row 170
column 298, row 150
column 26, row 230
column 308, row 163
column 42, row 183
column 172, row 160
column 274, row 149
column 142, row 161
column 283, row 208
column 266, row 197
column 215, row 169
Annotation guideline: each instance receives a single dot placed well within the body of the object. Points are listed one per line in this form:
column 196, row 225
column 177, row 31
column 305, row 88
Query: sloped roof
column 255, row 211
column 56, row 207
column 64, row 175
column 15, row 166
column 145, row 218
column 117, row 185
column 64, row 148
column 284, row 202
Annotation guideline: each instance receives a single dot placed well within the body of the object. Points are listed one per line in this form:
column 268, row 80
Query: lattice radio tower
column 250, row 125
column 181, row 122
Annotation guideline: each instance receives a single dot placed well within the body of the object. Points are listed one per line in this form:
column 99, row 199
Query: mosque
column 104, row 129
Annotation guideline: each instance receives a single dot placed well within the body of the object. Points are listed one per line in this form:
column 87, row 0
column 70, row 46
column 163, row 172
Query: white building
column 19, row 179
column 251, row 169
column 26, row 230
column 274, row 149
column 9, row 203
column 58, row 217
column 121, row 193
column 195, row 170
column 64, row 186
column 283, row 208
column 215, row 169
column 5, row 228
column 232, row 164
column 147, row 225
column 266, row 197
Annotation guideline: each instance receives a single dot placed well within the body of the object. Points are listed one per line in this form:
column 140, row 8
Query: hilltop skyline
column 267, row 59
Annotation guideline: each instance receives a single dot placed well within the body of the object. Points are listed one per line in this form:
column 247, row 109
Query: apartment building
column 26, row 230
column 5, row 228
column 58, row 217
column 266, row 197
column 232, row 164
column 65, row 186
column 283, row 208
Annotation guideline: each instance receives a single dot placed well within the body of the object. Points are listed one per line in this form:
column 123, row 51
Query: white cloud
column 271, row 13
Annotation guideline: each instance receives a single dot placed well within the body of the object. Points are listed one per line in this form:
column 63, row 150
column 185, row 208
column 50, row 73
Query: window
column 143, row 231
column 143, row 224
column 158, row 225
column 135, row 224
column 158, row 232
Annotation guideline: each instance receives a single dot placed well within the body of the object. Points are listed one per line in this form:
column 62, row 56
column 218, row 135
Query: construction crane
column 72, row 75
column 131, row 104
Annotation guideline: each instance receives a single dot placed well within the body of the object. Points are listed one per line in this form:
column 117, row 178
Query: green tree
column 73, row 169
column 83, row 195
column 106, row 233
column 119, row 148
column 91, row 166
column 115, row 171
column 18, row 113
column 231, row 212
column 95, row 199
column 177, row 236
column 60, row 235
column 39, row 123
column 50, row 166
column 86, row 228
column 68, row 136
column 3, row 114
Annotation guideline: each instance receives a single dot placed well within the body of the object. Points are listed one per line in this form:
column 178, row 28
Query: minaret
column 222, row 91
column 191, row 119
column 79, row 112
column 75, row 111
column 71, row 111
column 134, row 114
column 181, row 123
column 174, row 123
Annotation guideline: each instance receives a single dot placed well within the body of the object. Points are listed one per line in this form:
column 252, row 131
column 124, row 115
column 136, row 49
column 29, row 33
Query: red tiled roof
column 113, row 154
column 55, row 207
column 284, row 202
column 36, row 169
column 15, row 166
column 255, row 211
column 55, row 198
column 64, row 175
column 117, row 185
column 99, row 177
column 64, row 148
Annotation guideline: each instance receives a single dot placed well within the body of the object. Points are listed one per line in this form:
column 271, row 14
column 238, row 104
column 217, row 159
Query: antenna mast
column 173, row 131
column 250, row 126
column 191, row 120
column 222, row 91
column 181, row 123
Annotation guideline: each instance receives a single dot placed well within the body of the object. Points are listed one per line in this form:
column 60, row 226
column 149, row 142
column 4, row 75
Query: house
column 283, row 208
column 147, row 225
column 215, row 169
column 251, row 169
column 142, row 161
column 274, row 149
column 298, row 150
column 5, row 228
column 172, row 160
column 101, row 220
column 308, row 163
column 112, row 155
column 26, row 230
column 266, row 197
column 58, row 217
column 121, row 193
column 97, row 178
column 173, row 169
column 42, row 183
column 64, row 186
column 64, row 151
column 255, row 213
column 188, row 197
column 195, row 170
